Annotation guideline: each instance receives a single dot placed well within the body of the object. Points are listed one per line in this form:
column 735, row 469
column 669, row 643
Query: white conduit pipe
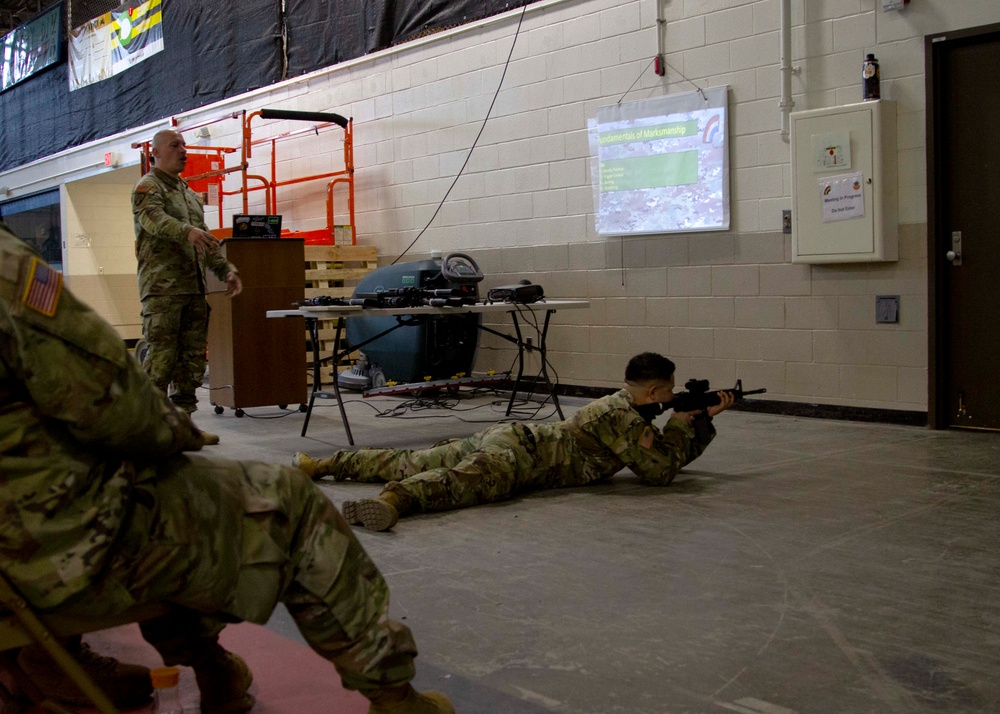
column 786, row 69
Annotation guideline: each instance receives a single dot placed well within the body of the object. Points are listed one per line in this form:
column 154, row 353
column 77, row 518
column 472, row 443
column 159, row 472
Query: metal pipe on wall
column 787, row 102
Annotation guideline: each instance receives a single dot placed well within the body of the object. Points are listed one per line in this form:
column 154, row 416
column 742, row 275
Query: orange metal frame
column 269, row 184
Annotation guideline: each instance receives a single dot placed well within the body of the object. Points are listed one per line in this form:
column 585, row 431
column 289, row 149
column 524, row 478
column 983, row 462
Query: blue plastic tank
column 438, row 347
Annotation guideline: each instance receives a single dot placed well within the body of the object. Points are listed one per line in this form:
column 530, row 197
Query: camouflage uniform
column 594, row 444
column 102, row 509
column 172, row 283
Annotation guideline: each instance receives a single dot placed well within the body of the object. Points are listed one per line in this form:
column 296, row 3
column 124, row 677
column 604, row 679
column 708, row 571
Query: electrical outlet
column 786, row 221
column 887, row 309
column 100, row 270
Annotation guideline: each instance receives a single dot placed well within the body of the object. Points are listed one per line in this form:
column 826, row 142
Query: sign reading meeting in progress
column 115, row 41
column 842, row 197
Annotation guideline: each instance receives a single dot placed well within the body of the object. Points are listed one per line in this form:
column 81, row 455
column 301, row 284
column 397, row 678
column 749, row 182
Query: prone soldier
column 599, row 440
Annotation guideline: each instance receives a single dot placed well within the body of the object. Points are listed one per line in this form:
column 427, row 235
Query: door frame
column 935, row 47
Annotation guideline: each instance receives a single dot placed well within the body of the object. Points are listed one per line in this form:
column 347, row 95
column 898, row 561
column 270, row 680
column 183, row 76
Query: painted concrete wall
column 100, row 264
column 724, row 305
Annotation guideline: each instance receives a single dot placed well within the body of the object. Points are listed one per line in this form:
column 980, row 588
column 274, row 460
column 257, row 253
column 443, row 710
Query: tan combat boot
column 316, row 468
column 223, row 680
column 375, row 514
column 407, row 700
column 127, row 685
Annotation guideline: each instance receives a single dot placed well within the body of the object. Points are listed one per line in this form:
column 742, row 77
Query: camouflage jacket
column 608, row 435
column 165, row 209
column 76, row 411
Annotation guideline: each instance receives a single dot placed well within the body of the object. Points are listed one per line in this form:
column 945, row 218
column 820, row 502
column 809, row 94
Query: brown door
column 963, row 81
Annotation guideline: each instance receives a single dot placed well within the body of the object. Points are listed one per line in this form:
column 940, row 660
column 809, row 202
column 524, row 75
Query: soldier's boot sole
column 372, row 513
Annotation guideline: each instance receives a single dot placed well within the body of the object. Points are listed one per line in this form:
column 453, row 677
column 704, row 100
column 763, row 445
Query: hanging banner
column 30, row 48
column 115, row 41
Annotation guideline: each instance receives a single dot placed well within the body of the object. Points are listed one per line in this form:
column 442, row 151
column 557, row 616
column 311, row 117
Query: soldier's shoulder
column 148, row 185
column 149, row 182
column 12, row 248
column 24, row 277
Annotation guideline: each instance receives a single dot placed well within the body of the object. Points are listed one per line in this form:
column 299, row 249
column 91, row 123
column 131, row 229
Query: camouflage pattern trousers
column 490, row 466
column 176, row 330
column 226, row 541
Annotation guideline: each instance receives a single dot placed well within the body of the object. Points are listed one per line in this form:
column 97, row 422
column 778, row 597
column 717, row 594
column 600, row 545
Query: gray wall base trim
column 799, row 409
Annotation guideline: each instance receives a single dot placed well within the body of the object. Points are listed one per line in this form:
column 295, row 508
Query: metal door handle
column 955, row 254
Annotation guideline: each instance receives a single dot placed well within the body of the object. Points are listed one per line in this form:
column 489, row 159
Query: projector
column 524, row 292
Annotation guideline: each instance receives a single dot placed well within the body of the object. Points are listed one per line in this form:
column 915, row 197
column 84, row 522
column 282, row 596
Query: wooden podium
column 254, row 361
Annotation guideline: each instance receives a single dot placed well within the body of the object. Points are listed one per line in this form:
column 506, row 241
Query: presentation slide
column 662, row 164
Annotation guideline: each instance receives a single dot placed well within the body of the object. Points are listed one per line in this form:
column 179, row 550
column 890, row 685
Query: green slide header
column 673, row 130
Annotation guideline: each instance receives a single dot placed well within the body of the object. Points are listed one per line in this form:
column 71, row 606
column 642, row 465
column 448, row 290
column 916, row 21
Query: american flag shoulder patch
column 646, row 440
column 44, row 288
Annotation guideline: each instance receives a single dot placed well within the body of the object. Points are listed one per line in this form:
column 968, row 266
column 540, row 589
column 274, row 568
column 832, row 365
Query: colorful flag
column 44, row 288
column 115, row 41
column 137, row 33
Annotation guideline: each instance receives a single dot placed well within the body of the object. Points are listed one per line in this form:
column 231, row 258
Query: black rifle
column 700, row 396
column 321, row 301
column 414, row 297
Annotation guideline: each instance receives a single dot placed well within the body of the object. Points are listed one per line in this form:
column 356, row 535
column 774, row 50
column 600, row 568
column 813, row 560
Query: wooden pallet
column 335, row 270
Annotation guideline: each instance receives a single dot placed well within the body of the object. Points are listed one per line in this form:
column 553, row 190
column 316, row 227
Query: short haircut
column 649, row 367
column 163, row 136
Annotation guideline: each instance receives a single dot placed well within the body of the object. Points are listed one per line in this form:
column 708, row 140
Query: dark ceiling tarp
column 210, row 53
column 322, row 34
column 213, row 51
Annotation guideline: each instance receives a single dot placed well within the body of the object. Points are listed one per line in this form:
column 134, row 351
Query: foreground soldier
column 594, row 444
column 103, row 510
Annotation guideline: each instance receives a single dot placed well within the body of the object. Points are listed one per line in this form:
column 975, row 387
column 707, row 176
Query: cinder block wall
column 724, row 305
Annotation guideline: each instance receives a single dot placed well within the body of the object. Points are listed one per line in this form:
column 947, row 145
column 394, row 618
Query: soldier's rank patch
column 44, row 288
column 646, row 440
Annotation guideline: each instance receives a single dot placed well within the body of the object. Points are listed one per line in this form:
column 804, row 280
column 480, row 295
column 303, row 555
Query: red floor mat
column 289, row 678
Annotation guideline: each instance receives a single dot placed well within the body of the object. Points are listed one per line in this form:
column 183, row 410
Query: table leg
column 545, row 371
column 336, row 384
column 313, row 325
column 520, row 361
column 317, row 387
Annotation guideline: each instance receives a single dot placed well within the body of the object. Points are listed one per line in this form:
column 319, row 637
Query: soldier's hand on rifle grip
column 726, row 401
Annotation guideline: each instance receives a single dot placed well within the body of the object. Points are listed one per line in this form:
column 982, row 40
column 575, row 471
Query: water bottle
column 870, row 77
column 166, row 693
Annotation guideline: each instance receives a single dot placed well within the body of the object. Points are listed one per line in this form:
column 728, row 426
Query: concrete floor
column 800, row 565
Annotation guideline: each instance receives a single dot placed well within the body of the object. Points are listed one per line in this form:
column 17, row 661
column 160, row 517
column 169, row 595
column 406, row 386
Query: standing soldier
column 105, row 507
column 173, row 247
column 594, row 444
